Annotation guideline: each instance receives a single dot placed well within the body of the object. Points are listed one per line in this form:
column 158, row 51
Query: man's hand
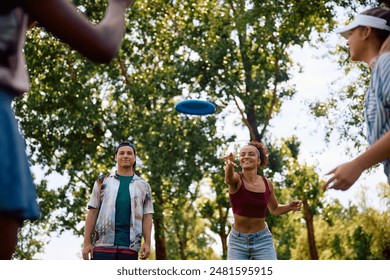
column 145, row 251
column 87, row 252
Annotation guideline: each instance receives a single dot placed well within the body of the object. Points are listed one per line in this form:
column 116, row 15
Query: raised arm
column 231, row 177
column 99, row 43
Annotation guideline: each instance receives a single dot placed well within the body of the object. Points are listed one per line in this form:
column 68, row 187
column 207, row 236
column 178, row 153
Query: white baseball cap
column 363, row 20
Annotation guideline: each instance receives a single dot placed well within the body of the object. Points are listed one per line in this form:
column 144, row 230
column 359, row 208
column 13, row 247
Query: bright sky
column 293, row 120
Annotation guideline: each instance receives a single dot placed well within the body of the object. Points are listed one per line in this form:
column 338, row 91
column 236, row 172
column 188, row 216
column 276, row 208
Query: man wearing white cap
column 367, row 35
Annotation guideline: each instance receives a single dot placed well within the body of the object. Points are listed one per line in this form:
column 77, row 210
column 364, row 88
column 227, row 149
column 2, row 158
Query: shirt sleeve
column 148, row 201
column 384, row 76
column 95, row 201
column 383, row 95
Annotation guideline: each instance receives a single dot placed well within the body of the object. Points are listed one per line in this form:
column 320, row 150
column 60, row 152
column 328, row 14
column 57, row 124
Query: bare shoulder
column 270, row 184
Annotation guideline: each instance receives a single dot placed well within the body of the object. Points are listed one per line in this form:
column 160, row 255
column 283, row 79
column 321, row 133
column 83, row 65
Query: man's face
column 125, row 157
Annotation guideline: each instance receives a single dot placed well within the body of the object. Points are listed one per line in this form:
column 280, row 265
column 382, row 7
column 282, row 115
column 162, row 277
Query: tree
column 361, row 243
column 188, row 237
column 306, row 185
column 247, row 54
column 340, row 233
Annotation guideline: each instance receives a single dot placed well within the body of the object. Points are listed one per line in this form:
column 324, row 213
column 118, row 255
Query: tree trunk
column 310, row 231
column 223, row 237
column 251, row 118
column 159, row 236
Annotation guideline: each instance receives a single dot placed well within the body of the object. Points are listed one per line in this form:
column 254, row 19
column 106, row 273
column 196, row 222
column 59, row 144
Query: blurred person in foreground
column 99, row 43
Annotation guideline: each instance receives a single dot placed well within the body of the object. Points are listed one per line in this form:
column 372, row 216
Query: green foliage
column 353, row 234
column 361, row 242
column 342, row 111
column 285, row 230
column 187, row 235
column 247, row 53
column 29, row 246
column 336, row 247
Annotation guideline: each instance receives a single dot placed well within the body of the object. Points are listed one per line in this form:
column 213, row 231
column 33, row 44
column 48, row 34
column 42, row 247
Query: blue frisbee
column 195, row 107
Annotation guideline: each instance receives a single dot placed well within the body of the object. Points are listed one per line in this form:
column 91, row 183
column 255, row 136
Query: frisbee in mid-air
column 195, row 107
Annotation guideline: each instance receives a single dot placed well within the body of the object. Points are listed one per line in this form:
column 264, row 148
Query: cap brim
column 343, row 31
column 363, row 20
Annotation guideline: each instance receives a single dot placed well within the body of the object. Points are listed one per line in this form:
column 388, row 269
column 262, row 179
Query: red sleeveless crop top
column 248, row 203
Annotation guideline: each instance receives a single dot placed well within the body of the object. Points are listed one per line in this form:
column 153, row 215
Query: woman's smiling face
column 249, row 157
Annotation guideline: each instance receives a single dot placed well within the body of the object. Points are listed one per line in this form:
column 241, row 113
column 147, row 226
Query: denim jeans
column 251, row 246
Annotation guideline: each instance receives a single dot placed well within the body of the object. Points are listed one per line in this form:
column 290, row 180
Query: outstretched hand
column 344, row 176
column 229, row 160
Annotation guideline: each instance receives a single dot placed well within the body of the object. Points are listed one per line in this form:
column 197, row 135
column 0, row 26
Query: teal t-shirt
column 123, row 212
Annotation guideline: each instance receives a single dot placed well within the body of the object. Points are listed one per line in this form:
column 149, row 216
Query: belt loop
column 236, row 232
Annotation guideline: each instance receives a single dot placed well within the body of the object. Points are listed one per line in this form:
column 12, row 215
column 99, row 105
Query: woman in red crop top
column 250, row 195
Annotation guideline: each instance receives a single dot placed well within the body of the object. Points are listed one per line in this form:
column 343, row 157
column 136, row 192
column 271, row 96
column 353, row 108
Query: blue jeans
column 251, row 246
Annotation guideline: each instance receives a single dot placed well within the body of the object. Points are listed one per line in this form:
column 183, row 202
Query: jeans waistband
column 249, row 235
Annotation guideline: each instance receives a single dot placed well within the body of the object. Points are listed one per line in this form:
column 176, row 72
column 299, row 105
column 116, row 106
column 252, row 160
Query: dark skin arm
column 99, row 43
column 232, row 178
